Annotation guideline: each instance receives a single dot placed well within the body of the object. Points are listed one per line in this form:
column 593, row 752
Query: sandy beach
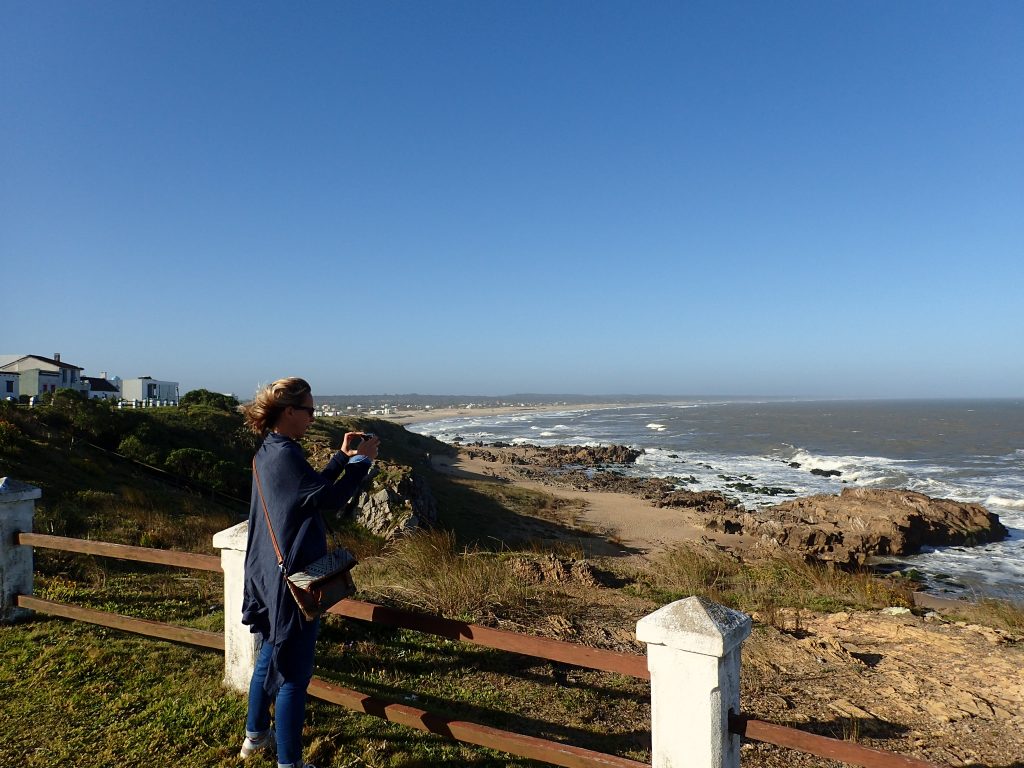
column 625, row 521
column 436, row 414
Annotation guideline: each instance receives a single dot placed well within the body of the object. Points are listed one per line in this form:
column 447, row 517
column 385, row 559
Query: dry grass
column 764, row 586
column 428, row 571
column 992, row 613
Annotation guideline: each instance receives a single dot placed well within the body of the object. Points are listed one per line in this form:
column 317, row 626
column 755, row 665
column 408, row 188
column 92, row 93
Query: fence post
column 17, row 508
column 693, row 653
column 239, row 642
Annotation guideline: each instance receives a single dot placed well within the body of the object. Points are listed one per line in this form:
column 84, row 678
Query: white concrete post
column 693, row 653
column 239, row 642
column 17, row 508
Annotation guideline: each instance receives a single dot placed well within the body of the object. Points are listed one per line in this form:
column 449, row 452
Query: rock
column 392, row 511
column 861, row 522
column 826, row 472
column 556, row 455
column 552, row 569
column 895, row 610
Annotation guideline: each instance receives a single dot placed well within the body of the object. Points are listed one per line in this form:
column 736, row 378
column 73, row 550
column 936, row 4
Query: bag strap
column 266, row 513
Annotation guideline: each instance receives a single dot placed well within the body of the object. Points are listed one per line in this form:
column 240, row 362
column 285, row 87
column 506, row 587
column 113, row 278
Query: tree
column 210, row 399
column 203, row 467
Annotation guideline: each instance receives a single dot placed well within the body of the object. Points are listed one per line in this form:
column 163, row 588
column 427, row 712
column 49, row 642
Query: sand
column 436, row 414
column 630, row 523
column 627, row 521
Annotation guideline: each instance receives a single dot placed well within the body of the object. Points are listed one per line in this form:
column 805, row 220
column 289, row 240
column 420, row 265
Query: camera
column 355, row 440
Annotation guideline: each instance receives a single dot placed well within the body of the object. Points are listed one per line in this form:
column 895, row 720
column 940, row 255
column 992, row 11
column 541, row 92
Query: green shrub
column 10, row 435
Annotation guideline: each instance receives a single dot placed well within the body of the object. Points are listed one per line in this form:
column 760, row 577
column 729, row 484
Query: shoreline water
column 426, row 415
column 970, row 451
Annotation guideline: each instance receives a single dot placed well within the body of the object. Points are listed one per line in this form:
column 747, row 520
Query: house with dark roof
column 102, row 388
column 39, row 374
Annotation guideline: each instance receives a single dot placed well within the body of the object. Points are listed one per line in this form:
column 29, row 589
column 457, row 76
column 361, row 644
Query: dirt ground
column 917, row 685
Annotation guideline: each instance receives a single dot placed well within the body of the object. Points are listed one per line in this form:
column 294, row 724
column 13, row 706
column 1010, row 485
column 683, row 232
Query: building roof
column 6, row 360
column 99, row 384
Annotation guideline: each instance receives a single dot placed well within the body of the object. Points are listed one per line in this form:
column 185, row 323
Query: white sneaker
column 267, row 741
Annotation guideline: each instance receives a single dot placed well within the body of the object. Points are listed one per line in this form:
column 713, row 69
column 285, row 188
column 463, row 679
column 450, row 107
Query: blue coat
column 295, row 494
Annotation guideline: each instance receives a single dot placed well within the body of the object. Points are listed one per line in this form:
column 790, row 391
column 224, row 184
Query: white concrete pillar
column 693, row 653
column 17, row 508
column 239, row 643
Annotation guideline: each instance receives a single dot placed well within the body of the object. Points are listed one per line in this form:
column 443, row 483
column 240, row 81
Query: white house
column 9, row 385
column 102, row 388
column 43, row 374
column 148, row 388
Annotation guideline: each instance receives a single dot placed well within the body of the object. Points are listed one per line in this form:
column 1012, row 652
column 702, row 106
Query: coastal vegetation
column 500, row 554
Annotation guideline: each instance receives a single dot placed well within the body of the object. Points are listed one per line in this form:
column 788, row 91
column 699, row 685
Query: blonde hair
column 261, row 414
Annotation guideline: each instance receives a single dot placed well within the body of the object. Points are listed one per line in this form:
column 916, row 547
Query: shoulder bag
column 324, row 582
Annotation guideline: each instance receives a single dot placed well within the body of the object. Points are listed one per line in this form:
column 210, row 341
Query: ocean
column 966, row 450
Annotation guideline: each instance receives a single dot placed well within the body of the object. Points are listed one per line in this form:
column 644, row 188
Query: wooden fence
column 692, row 661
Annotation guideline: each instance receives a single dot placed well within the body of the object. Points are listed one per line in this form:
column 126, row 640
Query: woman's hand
column 366, row 446
column 345, row 447
column 369, row 447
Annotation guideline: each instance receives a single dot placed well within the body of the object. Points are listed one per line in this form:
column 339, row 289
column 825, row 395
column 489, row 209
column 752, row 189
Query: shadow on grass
column 439, row 677
column 503, row 517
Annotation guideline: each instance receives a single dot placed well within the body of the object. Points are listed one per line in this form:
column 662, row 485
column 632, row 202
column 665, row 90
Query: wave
column 1003, row 501
column 657, row 427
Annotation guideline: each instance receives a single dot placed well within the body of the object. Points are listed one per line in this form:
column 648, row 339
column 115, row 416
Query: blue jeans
column 295, row 663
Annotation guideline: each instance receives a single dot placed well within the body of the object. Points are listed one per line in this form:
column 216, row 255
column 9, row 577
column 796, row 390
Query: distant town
column 25, row 377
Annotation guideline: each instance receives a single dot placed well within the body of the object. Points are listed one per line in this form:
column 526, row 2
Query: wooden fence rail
column 544, row 648
column 532, row 747
column 630, row 664
column 121, row 551
column 821, row 746
column 162, row 630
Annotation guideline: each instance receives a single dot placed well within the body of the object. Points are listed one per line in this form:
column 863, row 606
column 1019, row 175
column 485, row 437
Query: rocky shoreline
column 846, row 529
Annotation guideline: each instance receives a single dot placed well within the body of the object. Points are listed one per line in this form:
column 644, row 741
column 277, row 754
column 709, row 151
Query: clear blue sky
column 781, row 198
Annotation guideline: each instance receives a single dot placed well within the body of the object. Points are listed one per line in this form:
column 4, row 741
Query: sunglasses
column 307, row 408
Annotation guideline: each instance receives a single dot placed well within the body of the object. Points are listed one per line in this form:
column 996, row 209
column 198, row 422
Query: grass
column 764, row 586
column 90, row 696
column 428, row 571
column 86, row 696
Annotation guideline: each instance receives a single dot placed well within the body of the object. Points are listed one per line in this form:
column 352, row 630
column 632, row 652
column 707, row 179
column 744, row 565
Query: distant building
column 102, row 388
column 148, row 388
column 43, row 374
column 9, row 381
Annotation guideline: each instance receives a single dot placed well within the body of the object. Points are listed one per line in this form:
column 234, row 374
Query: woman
column 295, row 496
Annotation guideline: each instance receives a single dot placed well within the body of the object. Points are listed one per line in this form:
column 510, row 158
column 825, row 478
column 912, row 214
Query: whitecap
column 658, row 427
column 1003, row 501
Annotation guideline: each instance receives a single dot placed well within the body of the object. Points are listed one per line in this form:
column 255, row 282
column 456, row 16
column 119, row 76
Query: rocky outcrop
column 394, row 509
column 556, row 455
column 861, row 522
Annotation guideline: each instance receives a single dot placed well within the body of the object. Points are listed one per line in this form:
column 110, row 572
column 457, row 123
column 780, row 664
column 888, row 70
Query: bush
column 10, row 435
column 203, row 467
column 134, row 448
column 211, row 399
